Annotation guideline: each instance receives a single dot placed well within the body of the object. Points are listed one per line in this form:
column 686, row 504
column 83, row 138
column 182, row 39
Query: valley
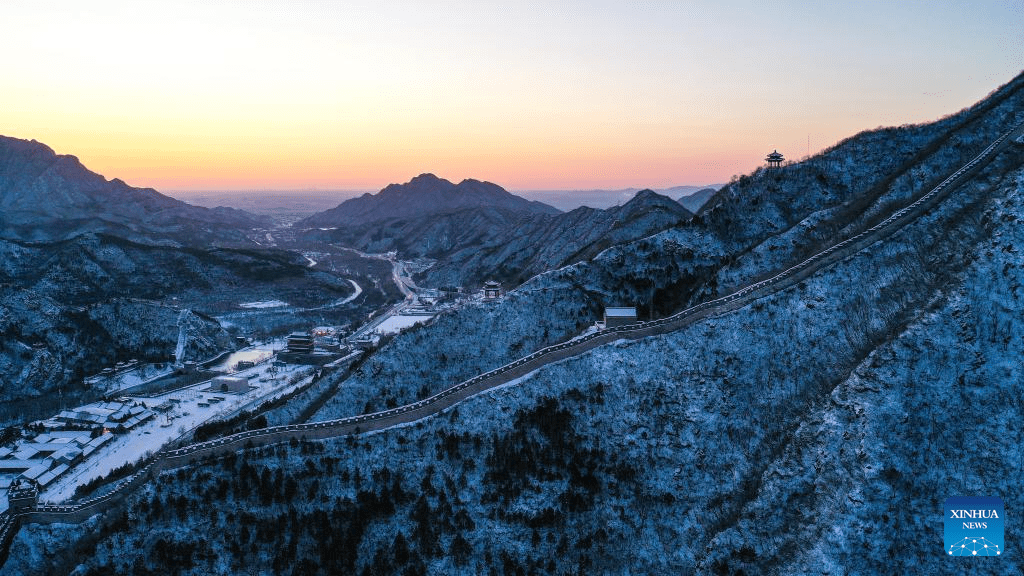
column 426, row 288
column 799, row 343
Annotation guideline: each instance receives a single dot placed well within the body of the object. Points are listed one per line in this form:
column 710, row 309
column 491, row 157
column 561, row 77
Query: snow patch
column 264, row 304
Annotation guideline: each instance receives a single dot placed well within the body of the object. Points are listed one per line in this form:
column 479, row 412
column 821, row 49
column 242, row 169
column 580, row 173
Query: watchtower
column 492, row 290
column 22, row 495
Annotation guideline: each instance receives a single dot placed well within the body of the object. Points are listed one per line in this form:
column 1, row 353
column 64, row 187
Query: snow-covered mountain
column 45, row 196
column 74, row 247
column 815, row 430
column 475, row 244
column 47, row 347
column 424, row 195
column 72, row 307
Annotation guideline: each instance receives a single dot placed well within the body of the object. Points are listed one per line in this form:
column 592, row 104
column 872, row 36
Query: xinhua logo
column 974, row 526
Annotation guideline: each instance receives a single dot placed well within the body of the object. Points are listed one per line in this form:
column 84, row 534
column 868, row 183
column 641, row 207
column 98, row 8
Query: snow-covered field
column 140, row 375
column 264, row 304
column 400, row 322
column 268, row 304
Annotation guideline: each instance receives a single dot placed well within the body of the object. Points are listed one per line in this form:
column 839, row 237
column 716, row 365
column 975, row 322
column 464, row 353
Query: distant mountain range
column 477, row 230
column 45, row 196
column 292, row 205
column 571, row 199
column 695, row 201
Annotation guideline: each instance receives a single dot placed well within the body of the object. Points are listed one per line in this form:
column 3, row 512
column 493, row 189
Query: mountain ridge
column 45, row 196
column 424, row 195
column 570, row 199
column 774, row 438
column 478, row 243
column 695, row 201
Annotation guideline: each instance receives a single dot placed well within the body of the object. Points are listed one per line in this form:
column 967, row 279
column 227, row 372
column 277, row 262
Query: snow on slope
column 787, row 437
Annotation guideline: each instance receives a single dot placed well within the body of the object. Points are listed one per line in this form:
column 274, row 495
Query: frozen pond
column 253, row 354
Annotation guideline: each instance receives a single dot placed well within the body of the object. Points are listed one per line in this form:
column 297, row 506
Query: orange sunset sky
column 531, row 95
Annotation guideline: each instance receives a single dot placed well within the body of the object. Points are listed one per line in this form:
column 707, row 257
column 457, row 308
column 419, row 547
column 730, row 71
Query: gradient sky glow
column 220, row 95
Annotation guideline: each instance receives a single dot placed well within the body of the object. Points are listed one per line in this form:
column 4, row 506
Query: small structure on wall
column 189, row 367
column 22, row 495
column 492, row 290
column 619, row 316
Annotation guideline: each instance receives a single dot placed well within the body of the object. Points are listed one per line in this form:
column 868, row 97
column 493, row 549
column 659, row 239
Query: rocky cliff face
column 45, row 196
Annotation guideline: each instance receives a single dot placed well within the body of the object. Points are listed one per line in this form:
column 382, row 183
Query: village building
column 44, row 458
column 364, row 343
column 101, row 415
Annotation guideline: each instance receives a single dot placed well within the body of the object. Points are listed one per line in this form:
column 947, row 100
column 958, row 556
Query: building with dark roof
column 300, row 342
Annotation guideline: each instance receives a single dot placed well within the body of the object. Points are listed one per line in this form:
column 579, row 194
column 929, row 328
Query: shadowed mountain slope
column 476, row 243
column 45, row 196
column 693, row 202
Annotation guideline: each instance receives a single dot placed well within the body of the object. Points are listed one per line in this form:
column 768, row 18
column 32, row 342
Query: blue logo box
column 974, row 526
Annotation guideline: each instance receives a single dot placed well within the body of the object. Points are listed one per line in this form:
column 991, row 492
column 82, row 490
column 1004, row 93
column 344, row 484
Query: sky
column 322, row 95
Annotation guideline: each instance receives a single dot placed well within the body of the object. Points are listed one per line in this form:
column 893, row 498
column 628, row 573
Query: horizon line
column 377, row 190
